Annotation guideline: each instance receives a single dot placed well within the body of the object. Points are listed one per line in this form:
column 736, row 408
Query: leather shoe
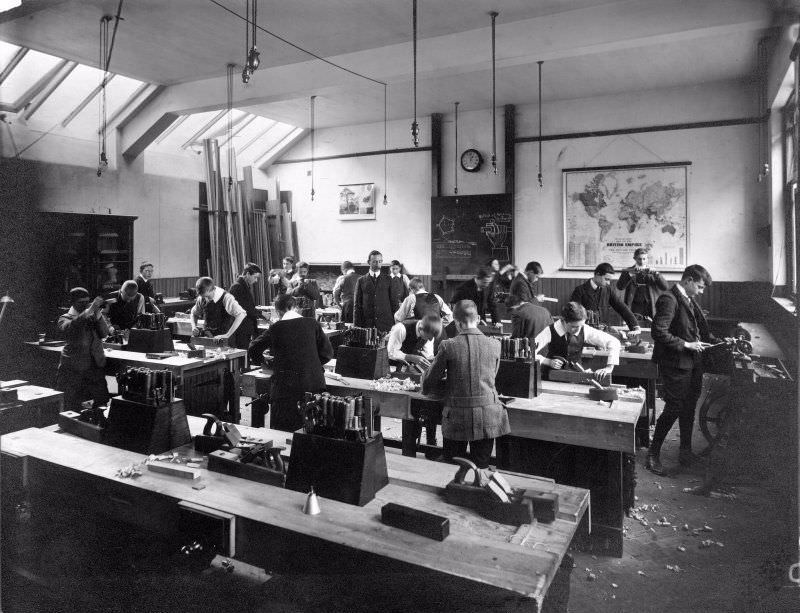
column 653, row 464
column 686, row 457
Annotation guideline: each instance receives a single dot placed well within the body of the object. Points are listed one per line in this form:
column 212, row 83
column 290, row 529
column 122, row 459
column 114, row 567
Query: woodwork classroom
column 499, row 150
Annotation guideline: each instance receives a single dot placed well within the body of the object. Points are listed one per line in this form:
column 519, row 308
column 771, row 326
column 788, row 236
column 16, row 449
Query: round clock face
column 471, row 160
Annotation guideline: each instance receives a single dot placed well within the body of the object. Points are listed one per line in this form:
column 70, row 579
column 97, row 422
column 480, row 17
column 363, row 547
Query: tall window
column 791, row 195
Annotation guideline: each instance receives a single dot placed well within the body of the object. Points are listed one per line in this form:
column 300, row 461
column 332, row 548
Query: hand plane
column 494, row 500
column 223, row 435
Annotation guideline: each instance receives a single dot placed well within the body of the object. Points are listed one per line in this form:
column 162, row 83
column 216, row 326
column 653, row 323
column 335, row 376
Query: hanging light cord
column 385, row 146
column 229, row 135
column 313, row 145
column 541, row 180
column 298, row 47
column 414, row 124
column 455, row 157
column 106, row 49
column 494, row 15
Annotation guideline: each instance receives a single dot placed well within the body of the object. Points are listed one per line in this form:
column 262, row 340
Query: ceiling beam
column 242, row 126
column 39, row 86
column 119, row 113
column 221, row 131
column 28, row 8
column 258, row 136
column 12, row 64
column 47, row 91
column 82, row 104
column 206, row 127
column 264, row 162
column 169, row 130
column 134, row 149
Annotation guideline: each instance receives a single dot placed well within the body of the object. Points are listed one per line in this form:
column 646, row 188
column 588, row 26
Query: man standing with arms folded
column 680, row 333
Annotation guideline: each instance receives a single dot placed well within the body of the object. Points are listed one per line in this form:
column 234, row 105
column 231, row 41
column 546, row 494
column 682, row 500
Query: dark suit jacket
column 244, row 296
column 600, row 300
column 527, row 291
column 528, row 320
column 678, row 320
column 472, row 410
column 469, row 291
column 84, row 348
column 300, row 348
column 372, row 306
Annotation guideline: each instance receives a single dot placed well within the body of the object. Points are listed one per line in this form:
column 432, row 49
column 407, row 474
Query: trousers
column 682, row 387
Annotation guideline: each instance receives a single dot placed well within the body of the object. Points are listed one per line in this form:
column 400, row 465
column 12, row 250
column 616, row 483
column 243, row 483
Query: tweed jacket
column 678, row 321
column 372, row 306
column 84, row 348
column 472, row 410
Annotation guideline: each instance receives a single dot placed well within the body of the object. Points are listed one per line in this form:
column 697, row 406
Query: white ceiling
column 590, row 47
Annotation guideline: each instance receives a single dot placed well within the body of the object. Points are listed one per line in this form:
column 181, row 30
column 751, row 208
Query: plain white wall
column 728, row 209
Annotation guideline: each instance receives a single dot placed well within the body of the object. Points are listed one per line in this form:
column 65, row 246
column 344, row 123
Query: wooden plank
column 479, row 558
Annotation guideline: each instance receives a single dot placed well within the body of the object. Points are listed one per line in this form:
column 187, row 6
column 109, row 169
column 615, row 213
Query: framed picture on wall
column 357, row 201
column 610, row 211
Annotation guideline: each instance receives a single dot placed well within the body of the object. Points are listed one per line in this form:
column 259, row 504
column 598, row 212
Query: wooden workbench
column 35, row 407
column 200, row 381
column 550, row 435
column 62, row 472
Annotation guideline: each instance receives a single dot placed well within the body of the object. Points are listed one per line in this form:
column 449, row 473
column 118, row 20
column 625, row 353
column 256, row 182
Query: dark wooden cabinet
column 80, row 250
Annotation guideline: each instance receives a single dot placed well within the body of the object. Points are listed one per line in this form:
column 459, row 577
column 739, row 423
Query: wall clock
column 471, row 160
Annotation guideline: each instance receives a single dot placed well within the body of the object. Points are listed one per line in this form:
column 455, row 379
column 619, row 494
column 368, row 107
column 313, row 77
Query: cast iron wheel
column 714, row 409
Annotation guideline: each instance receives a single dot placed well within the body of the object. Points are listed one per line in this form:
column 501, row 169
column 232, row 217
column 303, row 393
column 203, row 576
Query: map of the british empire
column 610, row 212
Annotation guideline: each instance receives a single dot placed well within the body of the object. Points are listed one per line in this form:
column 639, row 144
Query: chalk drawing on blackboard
column 497, row 234
column 446, row 225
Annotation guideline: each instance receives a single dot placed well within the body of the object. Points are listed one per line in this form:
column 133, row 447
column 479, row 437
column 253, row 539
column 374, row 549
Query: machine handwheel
column 714, row 410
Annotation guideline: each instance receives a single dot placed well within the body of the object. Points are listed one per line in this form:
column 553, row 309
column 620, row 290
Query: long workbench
column 207, row 385
column 62, row 473
column 562, row 433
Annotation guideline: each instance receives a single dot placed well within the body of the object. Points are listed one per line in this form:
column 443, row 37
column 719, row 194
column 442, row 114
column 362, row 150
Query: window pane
column 32, row 68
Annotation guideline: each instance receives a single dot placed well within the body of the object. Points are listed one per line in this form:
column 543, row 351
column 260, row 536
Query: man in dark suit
column 596, row 296
column 242, row 291
column 372, row 305
column 80, row 369
column 345, row 289
column 527, row 319
column 680, row 333
column 476, row 290
column 299, row 348
column 145, row 286
column 524, row 286
column 472, row 413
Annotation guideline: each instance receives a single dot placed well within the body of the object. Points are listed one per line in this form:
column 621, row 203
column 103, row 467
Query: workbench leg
column 608, row 510
column 409, row 437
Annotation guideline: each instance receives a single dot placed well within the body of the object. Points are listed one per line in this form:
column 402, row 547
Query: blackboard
column 468, row 231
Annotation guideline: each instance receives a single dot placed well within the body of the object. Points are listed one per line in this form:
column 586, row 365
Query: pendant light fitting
column 414, row 124
column 541, row 180
column 494, row 15
column 313, row 143
column 252, row 56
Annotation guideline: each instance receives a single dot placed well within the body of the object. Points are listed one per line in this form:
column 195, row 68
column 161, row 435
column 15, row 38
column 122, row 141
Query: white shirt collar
column 561, row 329
column 218, row 291
column 593, row 284
column 682, row 290
column 374, row 274
column 291, row 315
